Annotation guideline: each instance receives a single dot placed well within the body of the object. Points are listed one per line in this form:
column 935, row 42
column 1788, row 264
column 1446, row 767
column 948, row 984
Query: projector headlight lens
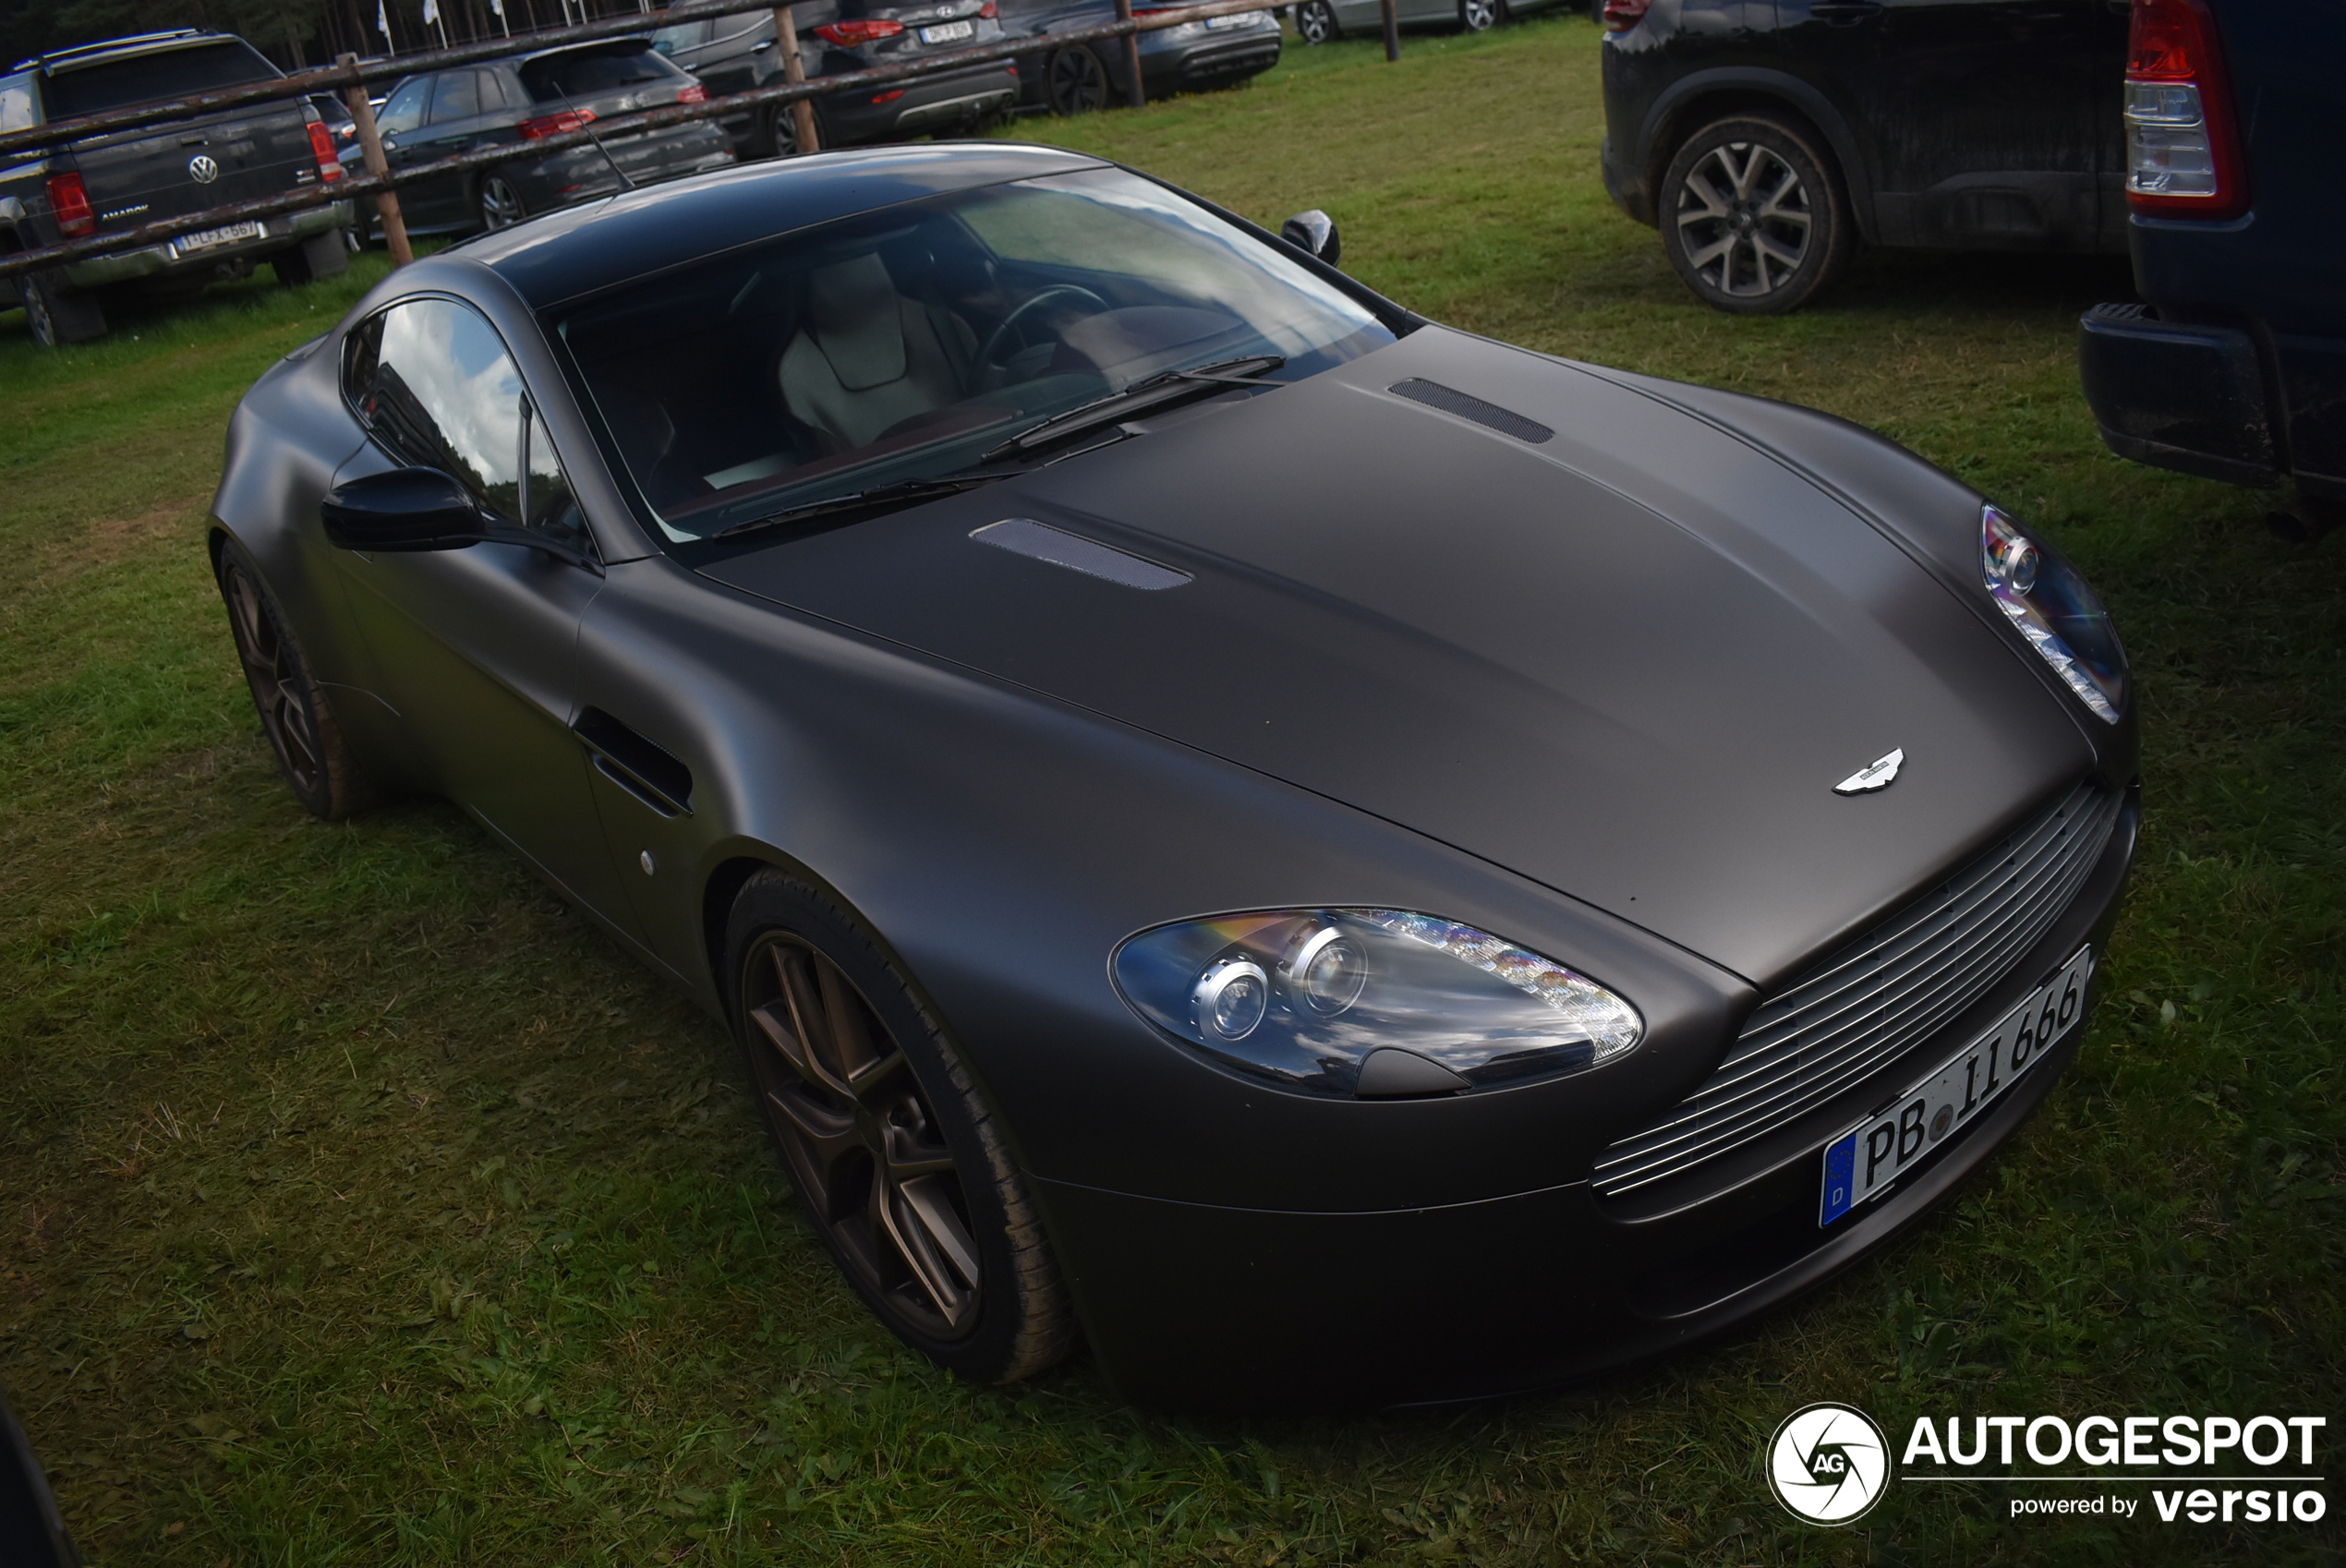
column 2057, row 611
column 1304, row 995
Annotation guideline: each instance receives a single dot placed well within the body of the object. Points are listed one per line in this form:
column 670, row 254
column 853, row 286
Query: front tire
column 317, row 764
column 899, row 1164
column 1753, row 217
column 1075, row 81
column 1481, row 16
column 1316, row 23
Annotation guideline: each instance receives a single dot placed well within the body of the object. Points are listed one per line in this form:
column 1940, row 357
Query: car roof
column 586, row 248
column 116, row 48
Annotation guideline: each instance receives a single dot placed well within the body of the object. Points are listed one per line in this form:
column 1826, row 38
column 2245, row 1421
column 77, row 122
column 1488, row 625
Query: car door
column 476, row 647
column 452, row 125
column 1978, row 115
column 400, row 122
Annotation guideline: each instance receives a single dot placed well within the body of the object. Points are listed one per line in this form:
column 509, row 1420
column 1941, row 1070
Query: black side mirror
column 1315, row 231
column 407, row 509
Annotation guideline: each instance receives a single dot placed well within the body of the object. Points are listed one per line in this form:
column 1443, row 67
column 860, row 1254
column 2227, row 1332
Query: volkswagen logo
column 204, row 168
column 1829, row 1464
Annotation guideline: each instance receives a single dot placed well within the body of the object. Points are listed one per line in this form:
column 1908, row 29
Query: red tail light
column 2182, row 144
column 322, row 144
column 846, row 35
column 989, row 10
column 889, row 97
column 1620, row 16
column 695, row 93
column 554, row 124
column 69, row 200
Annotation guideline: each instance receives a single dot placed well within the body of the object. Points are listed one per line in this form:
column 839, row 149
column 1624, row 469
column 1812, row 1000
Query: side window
column 15, row 104
column 547, row 503
column 404, row 110
column 442, row 393
column 458, row 97
column 499, row 91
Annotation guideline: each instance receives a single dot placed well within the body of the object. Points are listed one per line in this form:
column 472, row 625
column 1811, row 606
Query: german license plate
column 204, row 239
column 949, row 32
column 1244, row 19
column 1862, row 1162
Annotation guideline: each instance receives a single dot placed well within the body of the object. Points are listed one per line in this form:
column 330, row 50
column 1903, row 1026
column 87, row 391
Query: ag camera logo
column 1829, row 1464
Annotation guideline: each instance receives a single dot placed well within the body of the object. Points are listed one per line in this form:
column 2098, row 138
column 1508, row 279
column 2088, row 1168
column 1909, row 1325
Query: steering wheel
column 1021, row 310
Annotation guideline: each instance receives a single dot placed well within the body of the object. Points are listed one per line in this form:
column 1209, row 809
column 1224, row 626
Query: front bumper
column 280, row 233
column 1203, row 1306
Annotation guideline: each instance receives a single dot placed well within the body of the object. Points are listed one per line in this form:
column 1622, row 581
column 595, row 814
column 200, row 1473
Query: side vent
column 1434, row 394
column 1040, row 541
column 637, row 765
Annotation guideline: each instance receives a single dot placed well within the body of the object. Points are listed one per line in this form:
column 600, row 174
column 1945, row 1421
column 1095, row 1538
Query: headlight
column 2062, row 617
column 1372, row 1003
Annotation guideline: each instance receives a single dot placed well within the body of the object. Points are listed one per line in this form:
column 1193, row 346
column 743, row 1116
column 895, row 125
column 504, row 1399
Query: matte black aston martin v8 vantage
column 1356, row 863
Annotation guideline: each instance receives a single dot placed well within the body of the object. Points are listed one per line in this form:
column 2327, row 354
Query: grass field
column 359, row 1205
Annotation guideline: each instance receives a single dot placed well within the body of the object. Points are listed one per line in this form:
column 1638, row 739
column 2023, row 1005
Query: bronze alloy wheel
column 897, row 1161
column 323, row 772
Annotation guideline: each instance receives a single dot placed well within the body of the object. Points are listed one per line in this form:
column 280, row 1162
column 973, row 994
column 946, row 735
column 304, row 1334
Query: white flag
column 431, row 12
column 497, row 9
column 382, row 23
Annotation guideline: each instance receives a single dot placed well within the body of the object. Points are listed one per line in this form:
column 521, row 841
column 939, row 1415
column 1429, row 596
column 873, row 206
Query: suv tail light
column 989, row 10
column 696, row 93
column 846, row 35
column 2183, row 146
column 69, row 200
column 554, row 124
column 322, row 143
column 1620, row 16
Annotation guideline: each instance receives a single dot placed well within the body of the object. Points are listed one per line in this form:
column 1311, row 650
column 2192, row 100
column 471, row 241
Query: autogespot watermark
column 1829, row 1464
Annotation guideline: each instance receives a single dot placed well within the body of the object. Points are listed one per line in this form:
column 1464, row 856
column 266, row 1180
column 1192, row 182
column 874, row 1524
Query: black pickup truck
column 127, row 177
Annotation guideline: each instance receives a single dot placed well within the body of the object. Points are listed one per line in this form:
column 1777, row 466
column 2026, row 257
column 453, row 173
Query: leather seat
column 867, row 359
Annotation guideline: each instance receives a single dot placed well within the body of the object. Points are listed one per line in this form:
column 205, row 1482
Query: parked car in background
column 2234, row 365
column 135, row 176
column 335, row 114
column 1766, row 142
column 1196, row 56
column 736, row 53
column 519, row 101
column 1320, row 21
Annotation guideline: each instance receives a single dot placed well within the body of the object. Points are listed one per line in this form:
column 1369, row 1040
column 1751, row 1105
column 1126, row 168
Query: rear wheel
column 897, row 1163
column 319, row 766
column 1481, row 16
column 55, row 312
column 1753, row 218
column 781, row 137
column 1075, row 81
column 499, row 204
column 1316, row 23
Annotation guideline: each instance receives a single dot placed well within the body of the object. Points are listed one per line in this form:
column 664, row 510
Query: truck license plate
column 1863, row 1162
column 204, row 239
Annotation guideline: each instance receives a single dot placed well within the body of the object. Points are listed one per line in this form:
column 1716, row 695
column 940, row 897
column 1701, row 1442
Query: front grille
column 1884, row 994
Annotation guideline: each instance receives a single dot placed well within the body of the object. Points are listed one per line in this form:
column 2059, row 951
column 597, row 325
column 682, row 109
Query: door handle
column 637, row 765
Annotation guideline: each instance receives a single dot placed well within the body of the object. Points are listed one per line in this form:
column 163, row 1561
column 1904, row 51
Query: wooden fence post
column 1134, row 93
column 1392, row 32
column 371, row 146
column 794, row 72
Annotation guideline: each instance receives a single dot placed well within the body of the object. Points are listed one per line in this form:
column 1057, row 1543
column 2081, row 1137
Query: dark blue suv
column 2234, row 367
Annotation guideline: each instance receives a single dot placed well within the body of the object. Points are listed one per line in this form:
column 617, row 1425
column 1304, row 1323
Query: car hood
column 1629, row 661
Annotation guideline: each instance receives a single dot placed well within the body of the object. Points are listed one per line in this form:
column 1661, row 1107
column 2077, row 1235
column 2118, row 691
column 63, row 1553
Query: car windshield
column 904, row 346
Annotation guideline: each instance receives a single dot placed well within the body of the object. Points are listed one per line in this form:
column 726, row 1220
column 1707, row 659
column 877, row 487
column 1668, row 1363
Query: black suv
column 2235, row 368
column 128, row 177
column 1767, row 137
column 736, row 53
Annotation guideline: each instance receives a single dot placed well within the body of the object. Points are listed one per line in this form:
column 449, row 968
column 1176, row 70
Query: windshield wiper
column 879, row 499
column 1150, row 392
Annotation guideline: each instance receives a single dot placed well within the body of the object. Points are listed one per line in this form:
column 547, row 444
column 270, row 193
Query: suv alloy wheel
column 1753, row 218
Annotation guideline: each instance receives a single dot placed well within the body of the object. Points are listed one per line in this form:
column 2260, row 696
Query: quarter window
column 458, row 97
column 404, row 110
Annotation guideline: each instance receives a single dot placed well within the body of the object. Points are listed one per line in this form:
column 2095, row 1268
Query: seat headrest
column 857, row 321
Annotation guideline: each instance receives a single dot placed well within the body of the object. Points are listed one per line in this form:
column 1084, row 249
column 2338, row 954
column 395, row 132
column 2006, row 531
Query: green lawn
column 358, row 1205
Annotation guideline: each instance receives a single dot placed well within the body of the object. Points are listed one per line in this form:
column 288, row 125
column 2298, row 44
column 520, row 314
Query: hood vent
column 1023, row 536
column 1434, row 394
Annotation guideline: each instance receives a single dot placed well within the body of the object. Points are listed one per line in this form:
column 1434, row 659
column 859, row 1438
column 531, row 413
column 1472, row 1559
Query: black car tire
column 320, row 255
column 55, row 312
column 780, row 136
column 319, row 766
column 1481, row 16
column 1316, row 23
column 497, row 202
column 1753, row 216
column 1075, row 81
column 899, row 1164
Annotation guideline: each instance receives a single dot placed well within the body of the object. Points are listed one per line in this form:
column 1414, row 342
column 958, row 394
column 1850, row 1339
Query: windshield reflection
column 901, row 345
